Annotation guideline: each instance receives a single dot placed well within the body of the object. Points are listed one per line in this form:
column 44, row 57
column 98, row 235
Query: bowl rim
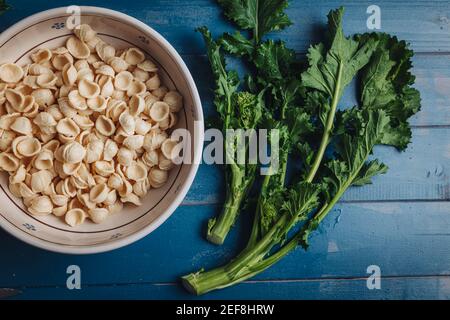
column 197, row 139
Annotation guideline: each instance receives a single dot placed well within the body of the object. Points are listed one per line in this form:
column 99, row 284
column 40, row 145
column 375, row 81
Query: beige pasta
column 84, row 128
column 77, row 48
column 11, row 73
column 41, row 205
column 75, row 217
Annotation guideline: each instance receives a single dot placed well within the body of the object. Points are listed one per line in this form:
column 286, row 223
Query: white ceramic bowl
column 47, row 29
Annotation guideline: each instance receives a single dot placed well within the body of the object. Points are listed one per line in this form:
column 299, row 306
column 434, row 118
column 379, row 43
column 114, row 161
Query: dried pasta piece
column 59, row 61
column 85, row 33
column 73, row 152
column 174, row 100
column 159, row 111
column 105, row 51
column 22, row 125
column 42, row 55
column 125, row 156
column 153, row 83
column 40, row 180
column 99, row 193
column 69, row 74
column 134, row 142
column 41, row 205
column 157, row 177
column 44, row 160
column 170, row 148
column 11, row 73
column 148, row 65
column 98, row 215
column 88, row 89
column 131, row 197
column 67, row 129
column 123, row 80
column 136, row 172
column 26, row 147
column 77, row 48
column 77, row 101
column 75, row 217
column 103, row 168
column 105, row 126
column 110, row 150
column 134, row 56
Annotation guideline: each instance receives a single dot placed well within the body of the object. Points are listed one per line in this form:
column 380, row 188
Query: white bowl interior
column 50, row 232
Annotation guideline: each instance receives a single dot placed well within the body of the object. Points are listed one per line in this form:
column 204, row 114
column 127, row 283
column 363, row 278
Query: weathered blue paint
column 401, row 222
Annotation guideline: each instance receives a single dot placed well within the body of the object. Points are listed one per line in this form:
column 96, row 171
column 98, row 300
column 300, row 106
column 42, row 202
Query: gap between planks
column 306, row 280
column 303, row 53
column 218, row 203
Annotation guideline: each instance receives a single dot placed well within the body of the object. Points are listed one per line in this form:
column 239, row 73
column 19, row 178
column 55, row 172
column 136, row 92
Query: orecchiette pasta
column 11, row 73
column 83, row 128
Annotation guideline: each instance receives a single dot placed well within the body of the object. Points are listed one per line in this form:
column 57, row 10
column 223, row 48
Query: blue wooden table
column 401, row 223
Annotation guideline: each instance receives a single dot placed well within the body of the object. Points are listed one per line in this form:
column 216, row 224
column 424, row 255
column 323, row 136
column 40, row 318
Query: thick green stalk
column 328, row 127
column 219, row 227
column 223, row 223
column 241, row 267
column 256, row 227
column 256, row 28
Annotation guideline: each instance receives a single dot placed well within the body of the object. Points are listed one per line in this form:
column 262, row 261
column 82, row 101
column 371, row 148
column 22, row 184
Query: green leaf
column 332, row 66
column 386, row 84
column 278, row 71
column 352, row 150
column 306, row 155
column 331, row 69
column 299, row 124
column 398, row 136
column 227, row 82
column 319, row 105
column 237, row 44
column 273, row 60
column 336, row 175
column 270, row 206
column 301, row 199
column 369, row 170
column 260, row 16
column 355, row 148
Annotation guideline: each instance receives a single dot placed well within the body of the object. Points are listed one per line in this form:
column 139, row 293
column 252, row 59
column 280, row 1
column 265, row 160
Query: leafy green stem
column 244, row 266
column 313, row 223
column 328, row 127
column 256, row 225
column 219, row 227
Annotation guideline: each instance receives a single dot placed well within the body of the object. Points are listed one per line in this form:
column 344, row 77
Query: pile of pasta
column 85, row 128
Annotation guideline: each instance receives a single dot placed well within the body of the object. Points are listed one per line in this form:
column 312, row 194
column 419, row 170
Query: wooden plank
column 423, row 23
column 433, row 287
column 402, row 238
column 433, row 81
column 419, row 173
